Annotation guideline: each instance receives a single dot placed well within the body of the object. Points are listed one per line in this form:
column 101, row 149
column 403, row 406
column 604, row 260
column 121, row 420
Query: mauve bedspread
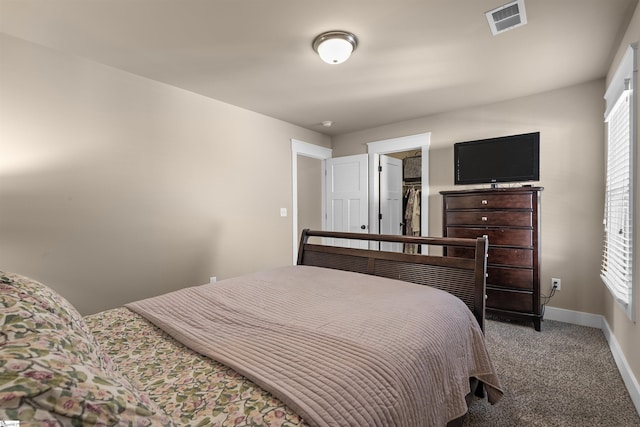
column 339, row 348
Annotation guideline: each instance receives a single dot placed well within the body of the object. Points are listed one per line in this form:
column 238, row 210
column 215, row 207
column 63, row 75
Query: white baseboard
column 574, row 317
column 597, row 321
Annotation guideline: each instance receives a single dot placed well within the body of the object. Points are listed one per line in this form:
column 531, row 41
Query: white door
column 390, row 200
column 347, row 200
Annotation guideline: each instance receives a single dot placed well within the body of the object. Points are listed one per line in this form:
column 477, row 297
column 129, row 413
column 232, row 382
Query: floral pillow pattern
column 53, row 372
column 27, row 299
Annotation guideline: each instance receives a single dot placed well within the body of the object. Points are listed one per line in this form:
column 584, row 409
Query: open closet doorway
column 401, row 206
column 412, row 152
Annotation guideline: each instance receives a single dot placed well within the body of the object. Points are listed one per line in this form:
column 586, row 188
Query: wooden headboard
column 462, row 277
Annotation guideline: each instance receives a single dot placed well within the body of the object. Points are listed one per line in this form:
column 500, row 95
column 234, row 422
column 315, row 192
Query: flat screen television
column 514, row 158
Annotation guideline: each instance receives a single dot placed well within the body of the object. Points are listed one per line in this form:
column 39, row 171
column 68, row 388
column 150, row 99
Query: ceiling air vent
column 507, row 17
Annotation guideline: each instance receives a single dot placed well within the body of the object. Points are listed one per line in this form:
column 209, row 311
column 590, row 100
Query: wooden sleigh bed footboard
column 463, row 277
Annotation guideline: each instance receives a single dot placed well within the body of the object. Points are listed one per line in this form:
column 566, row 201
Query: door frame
column 419, row 141
column 316, row 152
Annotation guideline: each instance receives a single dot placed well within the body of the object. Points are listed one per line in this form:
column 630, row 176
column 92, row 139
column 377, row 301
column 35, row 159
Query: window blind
column 618, row 251
column 617, row 261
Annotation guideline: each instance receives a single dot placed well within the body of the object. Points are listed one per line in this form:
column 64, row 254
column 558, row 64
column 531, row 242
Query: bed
column 348, row 336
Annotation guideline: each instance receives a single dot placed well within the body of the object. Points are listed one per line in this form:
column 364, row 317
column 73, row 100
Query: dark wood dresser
column 510, row 218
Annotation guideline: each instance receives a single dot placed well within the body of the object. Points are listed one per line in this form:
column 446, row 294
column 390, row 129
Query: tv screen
column 514, row 158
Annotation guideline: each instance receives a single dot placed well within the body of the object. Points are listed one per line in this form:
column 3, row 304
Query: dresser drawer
column 510, row 256
column 510, row 300
column 495, row 218
column 490, row 201
column 502, row 256
column 501, row 236
column 506, row 277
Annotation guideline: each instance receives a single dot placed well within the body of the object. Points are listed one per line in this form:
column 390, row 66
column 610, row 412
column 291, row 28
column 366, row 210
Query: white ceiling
column 415, row 57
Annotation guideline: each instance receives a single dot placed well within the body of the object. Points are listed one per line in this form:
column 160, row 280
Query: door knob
column 364, row 227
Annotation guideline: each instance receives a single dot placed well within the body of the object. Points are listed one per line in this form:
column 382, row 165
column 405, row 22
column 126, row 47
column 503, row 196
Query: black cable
column 546, row 299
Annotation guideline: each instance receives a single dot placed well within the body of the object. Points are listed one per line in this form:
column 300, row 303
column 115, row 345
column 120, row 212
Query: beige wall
column 627, row 332
column 114, row 187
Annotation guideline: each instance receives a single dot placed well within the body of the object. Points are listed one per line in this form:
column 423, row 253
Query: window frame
column 622, row 282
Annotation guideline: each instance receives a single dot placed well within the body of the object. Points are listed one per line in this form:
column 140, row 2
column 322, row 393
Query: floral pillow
column 36, row 293
column 52, row 371
column 28, row 305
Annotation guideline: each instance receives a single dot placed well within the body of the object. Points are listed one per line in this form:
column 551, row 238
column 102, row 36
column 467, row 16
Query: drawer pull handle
column 484, row 202
column 484, row 218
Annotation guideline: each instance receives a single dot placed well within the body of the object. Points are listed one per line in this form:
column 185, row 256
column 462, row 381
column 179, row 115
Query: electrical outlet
column 212, row 280
column 556, row 284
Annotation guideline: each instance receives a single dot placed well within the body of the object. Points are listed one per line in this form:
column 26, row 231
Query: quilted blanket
column 339, row 348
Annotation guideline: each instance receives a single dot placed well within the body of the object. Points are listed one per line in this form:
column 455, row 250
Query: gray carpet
column 562, row 376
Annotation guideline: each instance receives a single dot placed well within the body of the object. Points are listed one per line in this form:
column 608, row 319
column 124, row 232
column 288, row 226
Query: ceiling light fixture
column 335, row 47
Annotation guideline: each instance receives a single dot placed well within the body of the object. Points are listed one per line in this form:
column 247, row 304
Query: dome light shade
column 335, row 47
